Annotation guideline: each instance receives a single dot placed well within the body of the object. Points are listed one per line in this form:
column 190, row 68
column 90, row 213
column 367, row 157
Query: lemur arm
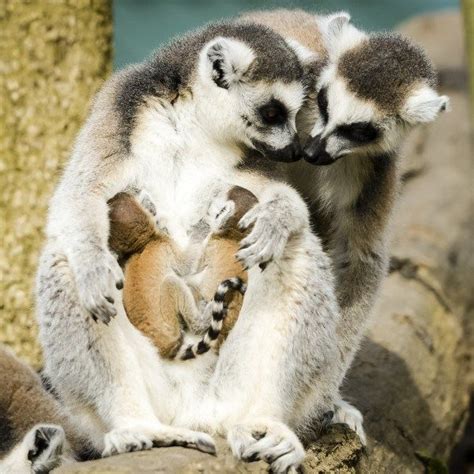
column 78, row 215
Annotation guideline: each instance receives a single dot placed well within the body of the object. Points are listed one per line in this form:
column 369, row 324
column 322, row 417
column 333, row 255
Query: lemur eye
column 273, row 113
column 359, row 132
column 323, row 104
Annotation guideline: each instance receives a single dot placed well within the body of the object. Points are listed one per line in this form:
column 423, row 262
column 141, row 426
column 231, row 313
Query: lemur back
column 157, row 297
column 36, row 434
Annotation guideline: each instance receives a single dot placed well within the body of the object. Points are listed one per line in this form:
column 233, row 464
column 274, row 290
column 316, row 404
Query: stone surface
column 412, row 377
column 53, row 57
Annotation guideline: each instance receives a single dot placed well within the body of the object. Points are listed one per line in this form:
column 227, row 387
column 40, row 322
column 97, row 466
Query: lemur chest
column 178, row 167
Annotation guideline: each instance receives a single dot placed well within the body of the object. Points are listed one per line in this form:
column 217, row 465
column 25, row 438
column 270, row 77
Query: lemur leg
column 151, row 299
column 268, row 368
column 176, row 295
column 103, row 366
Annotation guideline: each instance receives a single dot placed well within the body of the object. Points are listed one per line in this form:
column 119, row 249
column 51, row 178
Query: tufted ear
column 333, row 25
column 225, row 61
column 423, row 105
column 305, row 55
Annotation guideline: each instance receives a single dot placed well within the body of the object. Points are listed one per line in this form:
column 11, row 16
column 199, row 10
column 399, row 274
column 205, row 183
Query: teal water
column 142, row 25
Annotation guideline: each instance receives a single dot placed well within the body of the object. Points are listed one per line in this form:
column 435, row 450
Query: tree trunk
column 468, row 13
column 55, row 54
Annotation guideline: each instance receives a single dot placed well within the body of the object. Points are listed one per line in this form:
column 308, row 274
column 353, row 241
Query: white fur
column 17, row 462
column 338, row 33
column 423, row 105
column 304, row 54
column 235, row 56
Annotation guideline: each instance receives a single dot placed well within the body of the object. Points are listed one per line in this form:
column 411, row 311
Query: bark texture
column 413, row 375
column 54, row 55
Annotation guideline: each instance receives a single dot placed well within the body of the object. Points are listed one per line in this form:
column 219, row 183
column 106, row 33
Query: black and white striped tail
column 219, row 312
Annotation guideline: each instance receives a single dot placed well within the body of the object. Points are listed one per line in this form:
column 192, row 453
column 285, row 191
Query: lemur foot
column 125, row 440
column 349, row 415
column 268, row 238
column 97, row 275
column 268, row 441
column 145, row 436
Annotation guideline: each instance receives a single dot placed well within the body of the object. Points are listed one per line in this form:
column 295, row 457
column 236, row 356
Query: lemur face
column 248, row 103
column 369, row 95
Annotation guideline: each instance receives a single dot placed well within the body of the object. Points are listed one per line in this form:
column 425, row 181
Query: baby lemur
column 157, row 297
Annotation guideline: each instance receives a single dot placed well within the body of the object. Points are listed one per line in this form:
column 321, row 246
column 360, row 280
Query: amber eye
column 273, row 113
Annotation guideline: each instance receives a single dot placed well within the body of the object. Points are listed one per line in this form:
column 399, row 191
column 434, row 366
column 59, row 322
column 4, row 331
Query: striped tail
column 219, row 312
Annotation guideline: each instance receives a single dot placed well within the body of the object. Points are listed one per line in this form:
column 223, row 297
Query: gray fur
column 384, row 68
column 169, row 73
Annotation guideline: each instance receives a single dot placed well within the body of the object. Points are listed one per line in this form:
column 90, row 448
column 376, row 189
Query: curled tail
column 219, row 312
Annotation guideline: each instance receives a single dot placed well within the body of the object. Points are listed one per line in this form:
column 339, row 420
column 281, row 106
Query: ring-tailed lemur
column 169, row 126
column 371, row 91
column 156, row 294
column 36, row 433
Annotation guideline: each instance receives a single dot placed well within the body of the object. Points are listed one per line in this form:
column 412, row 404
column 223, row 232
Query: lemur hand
column 267, row 240
column 220, row 211
column 97, row 274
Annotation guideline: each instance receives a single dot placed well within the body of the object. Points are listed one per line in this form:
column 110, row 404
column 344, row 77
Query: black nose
column 315, row 152
column 288, row 154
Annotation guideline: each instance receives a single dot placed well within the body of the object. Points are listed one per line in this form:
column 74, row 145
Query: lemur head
column 251, row 85
column 39, row 452
column 373, row 89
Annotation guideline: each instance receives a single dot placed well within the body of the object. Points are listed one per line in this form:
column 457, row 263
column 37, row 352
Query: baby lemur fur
column 157, row 299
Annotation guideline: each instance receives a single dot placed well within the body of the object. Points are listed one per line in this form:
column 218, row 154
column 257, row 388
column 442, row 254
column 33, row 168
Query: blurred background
column 142, row 25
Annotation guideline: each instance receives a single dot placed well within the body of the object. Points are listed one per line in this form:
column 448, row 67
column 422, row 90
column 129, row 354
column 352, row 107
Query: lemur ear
column 226, row 60
column 305, row 55
column 423, row 105
column 333, row 25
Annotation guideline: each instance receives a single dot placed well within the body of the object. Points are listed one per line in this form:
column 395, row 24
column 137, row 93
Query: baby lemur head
column 373, row 89
column 243, row 200
column 131, row 227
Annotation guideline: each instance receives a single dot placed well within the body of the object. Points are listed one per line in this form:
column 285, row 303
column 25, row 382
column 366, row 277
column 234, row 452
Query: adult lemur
column 173, row 126
column 372, row 90
column 36, row 432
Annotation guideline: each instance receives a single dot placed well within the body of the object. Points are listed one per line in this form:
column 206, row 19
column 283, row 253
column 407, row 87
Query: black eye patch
column 273, row 113
column 359, row 132
column 323, row 104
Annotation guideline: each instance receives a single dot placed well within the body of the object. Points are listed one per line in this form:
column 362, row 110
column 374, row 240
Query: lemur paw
column 349, row 415
column 272, row 442
column 126, row 440
column 220, row 211
column 145, row 436
column 268, row 238
column 96, row 279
